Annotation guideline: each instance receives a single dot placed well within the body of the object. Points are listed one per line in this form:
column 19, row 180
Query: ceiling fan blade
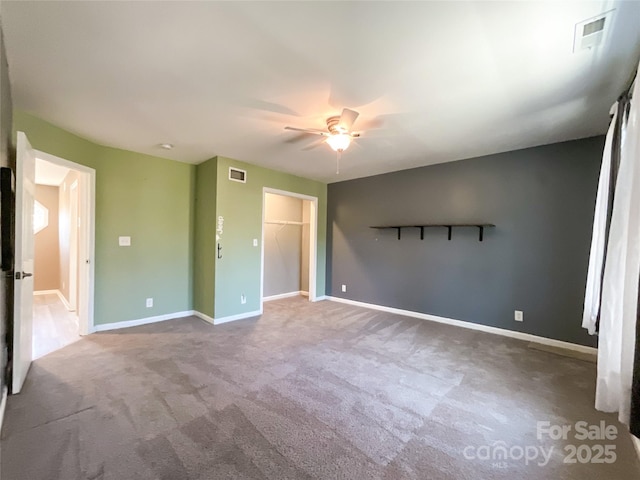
column 371, row 124
column 347, row 118
column 298, row 137
column 312, row 131
column 315, row 144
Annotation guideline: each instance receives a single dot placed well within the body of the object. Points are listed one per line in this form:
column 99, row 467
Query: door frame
column 86, row 239
column 313, row 239
column 74, row 241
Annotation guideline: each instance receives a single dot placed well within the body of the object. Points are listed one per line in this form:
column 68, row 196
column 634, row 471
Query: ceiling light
column 166, row 146
column 339, row 142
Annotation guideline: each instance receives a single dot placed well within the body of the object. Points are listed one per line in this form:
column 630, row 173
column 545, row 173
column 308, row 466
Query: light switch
column 124, row 241
column 255, row 242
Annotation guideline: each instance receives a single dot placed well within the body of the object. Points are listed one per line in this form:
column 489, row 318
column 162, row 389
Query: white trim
column 60, row 296
column 287, row 193
column 87, row 240
column 3, row 406
column 313, row 239
column 283, row 295
column 636, row 443
column 244, row 178
column 472, row 326
column 240, row 316
column 74, row 243
column 63, row 299
column 62, row 162
column 142, row 321
column 203, row 316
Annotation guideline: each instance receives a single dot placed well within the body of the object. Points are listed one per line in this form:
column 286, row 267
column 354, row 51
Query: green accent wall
column 205, row 238
column 145, row 197
column 170, row 211
column 240, row 204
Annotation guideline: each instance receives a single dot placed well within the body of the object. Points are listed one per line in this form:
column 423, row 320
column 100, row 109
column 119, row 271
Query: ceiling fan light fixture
column 339, row 142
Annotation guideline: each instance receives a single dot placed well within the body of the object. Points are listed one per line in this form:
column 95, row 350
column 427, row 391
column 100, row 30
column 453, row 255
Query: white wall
column 65, row 235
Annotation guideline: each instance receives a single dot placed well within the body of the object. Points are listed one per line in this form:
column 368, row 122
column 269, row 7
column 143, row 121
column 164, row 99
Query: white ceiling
column 439, row 81
column 48, row 173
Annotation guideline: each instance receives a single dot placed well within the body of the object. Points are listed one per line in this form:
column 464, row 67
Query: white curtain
column 598, row 238
column 621, row 272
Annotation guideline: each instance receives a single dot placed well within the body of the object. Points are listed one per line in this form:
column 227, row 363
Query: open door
column 23, row 298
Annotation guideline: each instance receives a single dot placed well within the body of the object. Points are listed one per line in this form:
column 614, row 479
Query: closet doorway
column 289, row 226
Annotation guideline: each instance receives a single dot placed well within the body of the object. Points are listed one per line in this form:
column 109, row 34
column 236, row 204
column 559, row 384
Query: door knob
column 23, row 275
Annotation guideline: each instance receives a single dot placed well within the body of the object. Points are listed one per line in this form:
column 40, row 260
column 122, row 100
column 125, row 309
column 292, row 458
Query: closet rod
column 285, row 222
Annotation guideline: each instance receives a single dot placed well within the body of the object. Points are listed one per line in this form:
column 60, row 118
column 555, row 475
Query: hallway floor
column 54, row 326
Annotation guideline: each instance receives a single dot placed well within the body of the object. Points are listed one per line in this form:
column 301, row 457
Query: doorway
column 289, row 226
column 63, row 274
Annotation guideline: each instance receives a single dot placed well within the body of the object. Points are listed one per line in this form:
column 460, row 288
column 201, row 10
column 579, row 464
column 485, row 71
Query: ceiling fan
column 338, row 134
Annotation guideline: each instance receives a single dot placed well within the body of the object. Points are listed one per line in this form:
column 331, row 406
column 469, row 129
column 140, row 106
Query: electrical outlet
column 344, row 288
column 149, row 302
column 243, row 299
column 518, row 316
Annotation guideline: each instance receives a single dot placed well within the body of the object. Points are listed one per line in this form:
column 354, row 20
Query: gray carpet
column 320, row 390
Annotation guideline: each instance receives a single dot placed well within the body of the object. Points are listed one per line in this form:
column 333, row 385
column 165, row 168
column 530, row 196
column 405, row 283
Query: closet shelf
column 449, row 226
column 285, row 222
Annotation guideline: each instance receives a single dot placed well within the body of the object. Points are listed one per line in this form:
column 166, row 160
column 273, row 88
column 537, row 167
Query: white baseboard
column 636, row 443
column 64, row 301
column 472, row 326
column 142, row 321
column 204, row 317
column 240, row 316
column 171, row 316
column 3, row 406
column 282, row 295
column 59, row 294
column 304, row 293
column 46, row 292
column 66, row 304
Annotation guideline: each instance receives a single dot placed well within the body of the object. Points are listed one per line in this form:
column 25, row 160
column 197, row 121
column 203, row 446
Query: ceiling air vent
column 237, row 175
column 591, row 32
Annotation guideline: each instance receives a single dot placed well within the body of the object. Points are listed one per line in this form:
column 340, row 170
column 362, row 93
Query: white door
column 23, row 308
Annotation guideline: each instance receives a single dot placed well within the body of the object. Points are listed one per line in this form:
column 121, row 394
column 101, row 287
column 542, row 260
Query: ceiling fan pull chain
column 339, row 154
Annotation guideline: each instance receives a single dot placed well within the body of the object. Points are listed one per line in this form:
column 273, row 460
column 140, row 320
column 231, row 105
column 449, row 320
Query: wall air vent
column 237, row 175
column 591, row 32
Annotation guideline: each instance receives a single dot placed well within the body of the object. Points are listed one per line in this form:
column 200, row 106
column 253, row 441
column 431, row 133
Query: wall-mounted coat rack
column 449, row 226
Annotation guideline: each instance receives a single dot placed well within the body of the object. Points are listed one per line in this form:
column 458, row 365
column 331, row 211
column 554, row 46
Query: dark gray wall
column 541, row 200
column 6, row 287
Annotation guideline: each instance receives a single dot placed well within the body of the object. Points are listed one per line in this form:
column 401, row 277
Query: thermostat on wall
column 124, row 241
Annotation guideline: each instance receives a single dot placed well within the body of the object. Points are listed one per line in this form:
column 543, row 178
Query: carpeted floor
column 320, row 390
